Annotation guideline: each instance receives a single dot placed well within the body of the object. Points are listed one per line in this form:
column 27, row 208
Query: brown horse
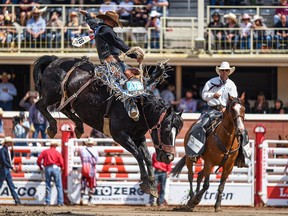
column 221, row 149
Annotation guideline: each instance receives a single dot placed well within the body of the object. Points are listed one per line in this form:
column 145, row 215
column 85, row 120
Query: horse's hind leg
column 42, row 107
column 79, row 129
column 191, row 201
column 189, row 165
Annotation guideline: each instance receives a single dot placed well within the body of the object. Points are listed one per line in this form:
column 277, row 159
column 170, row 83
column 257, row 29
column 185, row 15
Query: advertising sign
column 28, row 192
column 234, row 194
column 277, row 195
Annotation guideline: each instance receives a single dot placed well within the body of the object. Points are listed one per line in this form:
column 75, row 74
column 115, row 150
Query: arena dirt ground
column 107, row 210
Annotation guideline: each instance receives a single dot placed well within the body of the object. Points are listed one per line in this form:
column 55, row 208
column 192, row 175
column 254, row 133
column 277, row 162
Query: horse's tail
column 178, row 167
column 39, row 66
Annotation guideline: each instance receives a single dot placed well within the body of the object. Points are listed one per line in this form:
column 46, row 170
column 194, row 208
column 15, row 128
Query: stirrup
column 194, row 158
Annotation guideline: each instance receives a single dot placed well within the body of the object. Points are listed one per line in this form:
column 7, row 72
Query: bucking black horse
column 90, row 106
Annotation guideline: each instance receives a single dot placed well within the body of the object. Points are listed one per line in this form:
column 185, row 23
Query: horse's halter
column 161, row 145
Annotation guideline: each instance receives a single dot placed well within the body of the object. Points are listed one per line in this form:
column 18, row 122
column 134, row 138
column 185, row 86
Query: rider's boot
column 244, row 139
column 132, row 109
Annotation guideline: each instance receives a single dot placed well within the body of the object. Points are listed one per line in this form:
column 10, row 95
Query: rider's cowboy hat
column 231, row 16
column 111, row 15
column 225, row 66
column 90, row 141
column 7, row 139
column 5, row 74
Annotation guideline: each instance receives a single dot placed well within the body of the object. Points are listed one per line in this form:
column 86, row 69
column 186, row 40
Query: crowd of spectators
column 41, row 26
column 237, row 30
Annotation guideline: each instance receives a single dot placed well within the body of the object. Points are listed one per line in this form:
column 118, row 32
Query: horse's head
column 164, row 134
column 236, row 111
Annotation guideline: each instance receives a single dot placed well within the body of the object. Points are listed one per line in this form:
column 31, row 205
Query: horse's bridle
column 161, row 145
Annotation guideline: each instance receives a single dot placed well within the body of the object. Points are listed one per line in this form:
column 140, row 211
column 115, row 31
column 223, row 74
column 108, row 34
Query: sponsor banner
column 234, row 194
column 114, row 193
column 277, row 195
column 28, row 192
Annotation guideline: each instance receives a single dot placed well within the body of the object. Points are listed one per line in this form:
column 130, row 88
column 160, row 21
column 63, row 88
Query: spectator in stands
column 73, row 28
column 188, row 104
column 37, row 122
column 261, row 33
column 161, row 171
column 281, row 34
column 7, row 92
column 124, row 10
column 90, row 31
column 53, row 163
column 155, row 25
column 25, row 11
column 21, row 129
column 158, row 5
column 54, row 28
column 246, row 27
column 278, row 107
column 261, row 105
column 89, row 157
column 2, row 132
column 36, row 27
column 108, row 5
column 281, row 10
column 231, row 37
column 28, row 100
column 168, row 94
column 215, row 35
column 139, row 14
column 154, row 90
column 6, row 165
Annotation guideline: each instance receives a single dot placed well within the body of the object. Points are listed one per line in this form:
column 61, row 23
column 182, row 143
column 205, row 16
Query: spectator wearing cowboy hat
column 109, row 47
column 246, row 27
column 89, row 157
column 231, row 36
column 53, row 163
column 6, row 165
column 7, row 92
column 54, row 28
column 36, row 27
column 261, row 32
column 154, row 23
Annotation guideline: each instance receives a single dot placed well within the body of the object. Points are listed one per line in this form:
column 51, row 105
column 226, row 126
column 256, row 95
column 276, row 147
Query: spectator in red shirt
column 161, row 170
column 53, row 163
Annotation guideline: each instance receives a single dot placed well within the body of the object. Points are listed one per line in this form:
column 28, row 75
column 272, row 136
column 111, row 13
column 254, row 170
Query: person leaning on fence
column 89, row 157
column 215, row 93
column 215, row 36
column 53, row 164
column 6, row 165
column 109, row 47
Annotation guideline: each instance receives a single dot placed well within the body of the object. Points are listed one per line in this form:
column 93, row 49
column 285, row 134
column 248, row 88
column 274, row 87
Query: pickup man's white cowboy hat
column 225, row 66
column 111, row 15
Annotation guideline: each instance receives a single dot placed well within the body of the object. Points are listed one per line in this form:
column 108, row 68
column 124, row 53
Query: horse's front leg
column 148, row 161
column 217, row 205
column 198, row 196
column 79, row 129
column 41, row 105
column 126, row 142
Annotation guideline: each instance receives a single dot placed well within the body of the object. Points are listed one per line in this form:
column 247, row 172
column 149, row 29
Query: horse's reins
column 220, row 144
column 161, row 145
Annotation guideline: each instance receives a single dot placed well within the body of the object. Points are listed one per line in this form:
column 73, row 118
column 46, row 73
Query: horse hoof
column 51, row 133
column 218, row 209
column 146, row 188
